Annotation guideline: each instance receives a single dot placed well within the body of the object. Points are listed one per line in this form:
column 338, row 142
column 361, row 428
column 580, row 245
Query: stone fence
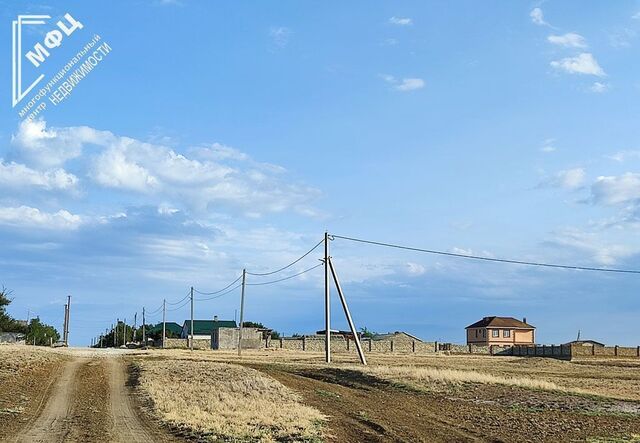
column 347, row 345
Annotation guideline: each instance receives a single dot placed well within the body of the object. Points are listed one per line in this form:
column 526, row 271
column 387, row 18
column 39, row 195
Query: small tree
column 367, row 333
column 7, row 323
column 251, row 324
column 41, row 332
column 275, row 335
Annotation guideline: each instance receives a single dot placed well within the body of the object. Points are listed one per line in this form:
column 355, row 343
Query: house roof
column 501, row 322
column 585, row 342
column 391, row 335
column 205, row 327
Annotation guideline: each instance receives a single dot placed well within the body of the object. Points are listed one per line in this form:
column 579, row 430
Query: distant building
column 500, row 331
column 397, row 336
column 586, row 343
column 202, row 329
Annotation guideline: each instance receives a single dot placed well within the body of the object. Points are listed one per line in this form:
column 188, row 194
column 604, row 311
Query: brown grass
column 227, row 402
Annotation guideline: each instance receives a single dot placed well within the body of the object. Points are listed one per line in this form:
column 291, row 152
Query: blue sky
column 221, row 135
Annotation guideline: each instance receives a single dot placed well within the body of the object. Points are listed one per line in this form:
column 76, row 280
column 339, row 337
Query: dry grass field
column 226, row 402
column 452, row 398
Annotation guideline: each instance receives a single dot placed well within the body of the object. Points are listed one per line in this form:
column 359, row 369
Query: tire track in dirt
column 90, row 401
column 51, row 424
column 127, row 426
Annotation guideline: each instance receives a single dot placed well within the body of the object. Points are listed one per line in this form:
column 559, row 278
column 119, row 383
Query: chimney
column 524, row 319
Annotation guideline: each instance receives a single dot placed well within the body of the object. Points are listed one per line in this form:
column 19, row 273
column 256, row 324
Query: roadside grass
column 224, row 402
column 422, row 377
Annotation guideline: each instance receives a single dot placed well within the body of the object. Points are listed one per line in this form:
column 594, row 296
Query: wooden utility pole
column 144, row 328
column 191, row 344
column 164, row 320
column 244, row 281
column 327, row 301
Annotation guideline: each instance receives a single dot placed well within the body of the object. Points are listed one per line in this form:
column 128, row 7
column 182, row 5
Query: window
column 477, row 330
column 495, row 333
column 506, row 333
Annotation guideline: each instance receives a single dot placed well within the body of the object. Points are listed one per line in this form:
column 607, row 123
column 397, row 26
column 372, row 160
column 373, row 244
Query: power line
column 289, row 265
column 498, row 260
column 179, row 301
column 180, row 307
column 218, row 295
column 220, row 290
column 286, row 278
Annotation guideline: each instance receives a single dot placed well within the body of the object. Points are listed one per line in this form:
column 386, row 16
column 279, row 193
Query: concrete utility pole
column 164, row 320
column 64, row 326
column 347, row 314
column 124, row 332
column 115, row 332
column 135, row 324
column 244, row 281
column 66, row 320
column 191, row 344
column 144, row 328
column 327, row 301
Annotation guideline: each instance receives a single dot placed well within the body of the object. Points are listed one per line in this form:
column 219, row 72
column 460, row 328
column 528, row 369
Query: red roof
column 501, row 322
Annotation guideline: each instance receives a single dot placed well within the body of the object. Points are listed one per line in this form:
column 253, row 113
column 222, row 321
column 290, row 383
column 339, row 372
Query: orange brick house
column 502, row 331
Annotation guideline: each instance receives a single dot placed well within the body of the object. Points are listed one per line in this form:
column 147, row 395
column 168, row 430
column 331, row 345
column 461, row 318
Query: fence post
column 638, row 351
column 348, row 340
column 436, row 346
column 615, row 350
column 304, row 343
column 413, row 346
column 593, row 349
column 370, row 345
column 391, row 345
column 281, row 340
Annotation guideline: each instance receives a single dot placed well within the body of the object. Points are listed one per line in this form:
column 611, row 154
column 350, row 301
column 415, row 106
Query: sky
column 216, row 136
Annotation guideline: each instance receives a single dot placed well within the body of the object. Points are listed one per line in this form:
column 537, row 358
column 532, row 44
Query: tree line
column 35, row 332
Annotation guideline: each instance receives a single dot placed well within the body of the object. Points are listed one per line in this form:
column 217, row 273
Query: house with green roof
column 202, row 329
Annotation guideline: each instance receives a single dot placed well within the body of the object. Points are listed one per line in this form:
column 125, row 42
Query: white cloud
column 548, row 145
column 636, row 16
column 568, row 179
column 415, row 268
column 603, row 251
column 214, row 175
column 404, row 85
column 599, row 87
column 401, row 21
column 280, row 35
column 410, row 84
column 51, row 147
column 622, row 156
column 584, row 63
column 537, row 17
column 622, row 38
column 28, row 217
column 569, row 40
column 15, row 175
column 615, row 190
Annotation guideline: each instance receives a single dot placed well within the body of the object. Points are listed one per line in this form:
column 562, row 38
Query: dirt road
column 90, row 401
column 362, row 408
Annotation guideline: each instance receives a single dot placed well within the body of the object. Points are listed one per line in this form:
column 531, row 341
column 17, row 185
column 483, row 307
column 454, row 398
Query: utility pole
column 164, row 320
column 115, row 332
column 135, row 324
column 67, row 309
column 244, row 281
column 124, row 332
column 64, row 326
column 347, row 314
column 144, row 328
column 327, row 301
column 191, row 344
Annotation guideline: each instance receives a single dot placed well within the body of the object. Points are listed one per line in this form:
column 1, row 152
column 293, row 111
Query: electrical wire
column 179, row 301
column 498, row 260
column 286, row 278
column 179, row 307
column 220, row 290
column 262, row 274
column 154, row 311
column 218, row 295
